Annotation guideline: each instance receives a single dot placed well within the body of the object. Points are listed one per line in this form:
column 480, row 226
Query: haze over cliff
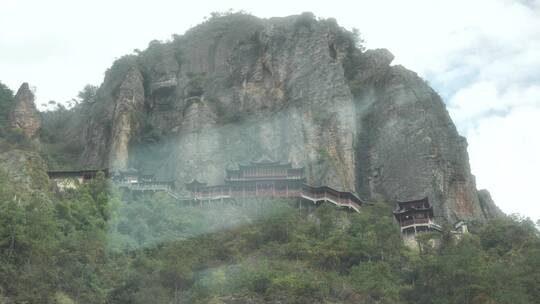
column 294, row 89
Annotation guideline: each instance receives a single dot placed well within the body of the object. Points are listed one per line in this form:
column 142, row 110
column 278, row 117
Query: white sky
column 482, row 56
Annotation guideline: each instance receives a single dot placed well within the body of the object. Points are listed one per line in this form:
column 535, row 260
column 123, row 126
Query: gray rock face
column 130, row 100
column 410, row 148
column 488, row 206
column 24, row 115
column 294, row 89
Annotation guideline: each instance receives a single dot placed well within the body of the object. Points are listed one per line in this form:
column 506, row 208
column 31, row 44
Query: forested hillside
column 99, row 245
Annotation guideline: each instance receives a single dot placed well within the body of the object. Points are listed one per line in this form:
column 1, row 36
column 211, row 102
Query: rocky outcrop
column 24, row 115
column 488, row 206
column 408, row 145
column 128, row 107
column 295, row 89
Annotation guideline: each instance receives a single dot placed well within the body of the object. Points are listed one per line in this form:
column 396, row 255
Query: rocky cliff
column 130, row 100
column 24, row 115
column 295, row 89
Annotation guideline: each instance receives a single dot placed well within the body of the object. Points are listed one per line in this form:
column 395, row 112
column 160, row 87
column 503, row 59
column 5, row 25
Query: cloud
column 505, row 151
column 470, row 105
column 491, row 83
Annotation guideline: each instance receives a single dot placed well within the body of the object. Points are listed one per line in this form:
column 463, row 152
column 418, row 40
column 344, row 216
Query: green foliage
column 240, row 23
column 61, row 149
column 114, row 77
column 502, row 236
column 6, row 102
column 98, row 244
column 306, row 19
column 354, row 46
column 15, row 135
column 88, row 94
column 196, row 83
column 378, row 281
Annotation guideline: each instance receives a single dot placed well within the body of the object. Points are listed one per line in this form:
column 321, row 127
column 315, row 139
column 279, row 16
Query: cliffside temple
column 258, row 179
column 263, row 178
column 266, row 178
column 415, row 216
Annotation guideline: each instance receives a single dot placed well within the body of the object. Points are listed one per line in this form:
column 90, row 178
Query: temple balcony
column 419, row 225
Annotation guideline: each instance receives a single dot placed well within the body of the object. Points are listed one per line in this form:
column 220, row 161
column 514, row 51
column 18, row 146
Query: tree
column 377, row 280
column 6, row 102
column 359, row 42
column 88, row 94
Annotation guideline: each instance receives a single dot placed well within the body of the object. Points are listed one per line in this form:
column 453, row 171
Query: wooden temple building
column 415, row 216
column 266, row 178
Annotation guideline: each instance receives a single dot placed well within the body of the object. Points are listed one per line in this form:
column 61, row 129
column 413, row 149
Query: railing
column 420, row 222
column 343, row 199
column 314, row 194
column 414, row 222
column 145, row 186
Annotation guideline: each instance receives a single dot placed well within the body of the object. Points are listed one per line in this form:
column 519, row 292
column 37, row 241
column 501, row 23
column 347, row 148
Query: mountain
column 230, row 90
column 294, row 89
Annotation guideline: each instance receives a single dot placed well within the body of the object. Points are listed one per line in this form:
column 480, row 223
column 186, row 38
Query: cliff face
column 409, row 146
column 488, row 206
column 24, row 115
column 294, row 89
column 130, row 100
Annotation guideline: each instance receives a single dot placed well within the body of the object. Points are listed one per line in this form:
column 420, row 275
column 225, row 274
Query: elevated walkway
column 307, row 192
column 223, row 192
column 330, row 195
